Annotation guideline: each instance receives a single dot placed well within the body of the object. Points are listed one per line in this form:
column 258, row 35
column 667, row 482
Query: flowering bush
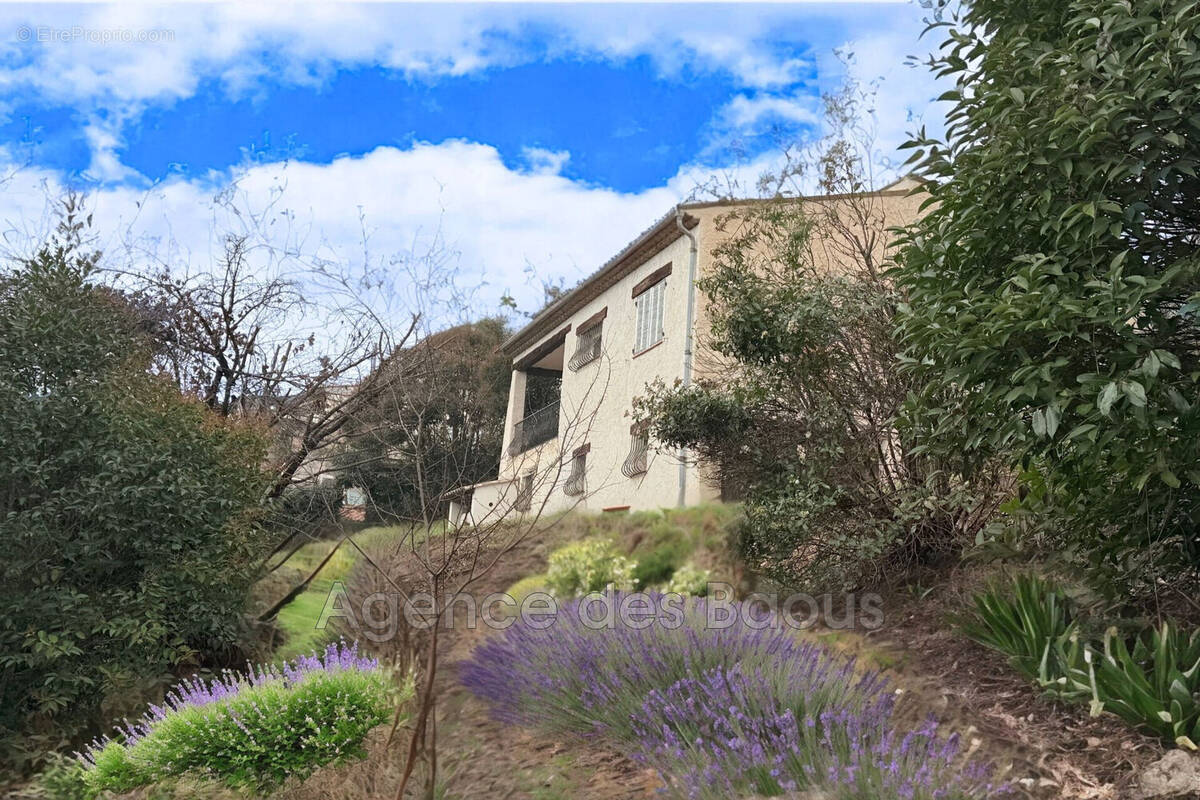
column 720, row 711
column 250, row 730
column 690, row 580
column 729, row 731
column 588, row 566
column 572, row 678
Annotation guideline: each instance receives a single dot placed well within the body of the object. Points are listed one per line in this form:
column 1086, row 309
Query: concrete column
column 516, row 412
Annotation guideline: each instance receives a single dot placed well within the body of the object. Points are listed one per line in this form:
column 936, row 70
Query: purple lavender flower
column 195, row 691
column 720, row 712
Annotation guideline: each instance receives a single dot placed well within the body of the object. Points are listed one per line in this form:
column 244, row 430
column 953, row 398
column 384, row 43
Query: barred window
column 639, row 449
column 649, row 327
column 574, row 484
column 524, row 500
column 588, row 348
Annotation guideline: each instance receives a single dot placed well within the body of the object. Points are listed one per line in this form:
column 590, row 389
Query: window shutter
column 658, row 312
column 643, row 315
column 650, row 307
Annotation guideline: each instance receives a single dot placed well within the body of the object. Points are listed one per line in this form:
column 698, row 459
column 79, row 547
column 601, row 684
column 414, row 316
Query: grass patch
column 527, row 586
column 298, row 619
column 668, row 539
column 663, row 541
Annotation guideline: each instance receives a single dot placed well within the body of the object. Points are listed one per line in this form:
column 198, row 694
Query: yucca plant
column 1156, row 685
column 1030, row 621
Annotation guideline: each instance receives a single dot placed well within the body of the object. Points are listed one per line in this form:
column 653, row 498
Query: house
column 296, row 415
column 570, row 439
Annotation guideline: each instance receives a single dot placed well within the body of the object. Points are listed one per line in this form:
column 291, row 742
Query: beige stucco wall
column 491, row 502
column 827, row 248
column 597, row 402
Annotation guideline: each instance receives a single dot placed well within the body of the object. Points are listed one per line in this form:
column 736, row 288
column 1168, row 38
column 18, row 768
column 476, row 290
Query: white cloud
column 498, row 221
column 768, row 49
column 745, row 112
column 541, row 160
column 244, row 42
column 905, row 95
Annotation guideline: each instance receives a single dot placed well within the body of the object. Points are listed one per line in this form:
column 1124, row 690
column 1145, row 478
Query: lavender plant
column 251, row 730
column 720, row 711
column 575, row 679
column 730, row 731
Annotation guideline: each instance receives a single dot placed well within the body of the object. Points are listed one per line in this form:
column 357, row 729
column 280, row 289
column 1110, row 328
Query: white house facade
column 570, row 438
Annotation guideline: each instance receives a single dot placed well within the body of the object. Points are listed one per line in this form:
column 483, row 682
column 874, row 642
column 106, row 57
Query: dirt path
column 1052, row 749
column 482, row 758
column 479, row 758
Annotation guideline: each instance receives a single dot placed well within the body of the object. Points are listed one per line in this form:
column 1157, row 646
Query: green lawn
column 298, row 619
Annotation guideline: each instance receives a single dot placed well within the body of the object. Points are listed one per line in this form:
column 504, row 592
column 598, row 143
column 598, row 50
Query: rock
column 1175, row 775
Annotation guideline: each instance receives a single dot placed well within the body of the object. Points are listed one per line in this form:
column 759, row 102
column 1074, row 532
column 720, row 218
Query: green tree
column 127, row 514
column 798, row 413
column 437, row 425
column 1051, row 290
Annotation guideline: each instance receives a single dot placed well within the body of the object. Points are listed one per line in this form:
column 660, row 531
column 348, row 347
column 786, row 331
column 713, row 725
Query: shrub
column 662, row 540
column 64, row 778
column 800, row 419
column 656, row 566
column 588, row 566
column 727, row 733
column 129, row 520
column 571, row 678
column 1054, row 284
column 720, row 711
column 689, row 580
column 1153, row 684
column 251, row 731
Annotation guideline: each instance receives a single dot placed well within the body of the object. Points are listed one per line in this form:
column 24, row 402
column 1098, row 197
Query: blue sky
column 500, row 133
column 597, row 112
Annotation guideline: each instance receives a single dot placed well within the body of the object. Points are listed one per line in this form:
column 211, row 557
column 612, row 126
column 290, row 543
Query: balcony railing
column 540, row 426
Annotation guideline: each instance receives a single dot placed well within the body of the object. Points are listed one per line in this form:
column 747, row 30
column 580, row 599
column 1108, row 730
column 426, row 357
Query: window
column 524, row 499
column 649, row 330
column 639, row 448
column 574, row 485
column 588, row 348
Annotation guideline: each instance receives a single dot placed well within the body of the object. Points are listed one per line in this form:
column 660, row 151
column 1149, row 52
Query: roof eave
column 549, row 319
column 629, row 258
